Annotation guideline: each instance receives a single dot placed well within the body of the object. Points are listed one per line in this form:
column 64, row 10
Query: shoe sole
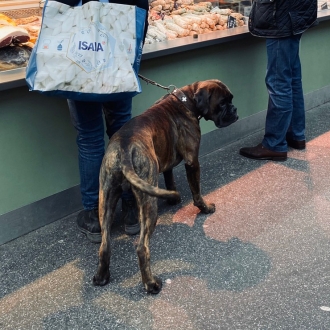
column 132, row 229
column 93, row 237
column 275, row 158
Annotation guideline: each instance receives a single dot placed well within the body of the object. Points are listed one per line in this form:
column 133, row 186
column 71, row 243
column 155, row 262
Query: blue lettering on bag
column 94, row 46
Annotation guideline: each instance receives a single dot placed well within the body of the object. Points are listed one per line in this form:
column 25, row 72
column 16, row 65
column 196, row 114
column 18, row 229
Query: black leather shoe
column 262, row 153
column 300, row 145
column 130, row 217
column 89, row 224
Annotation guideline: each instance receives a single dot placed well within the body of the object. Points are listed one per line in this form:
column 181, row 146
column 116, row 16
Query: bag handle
column 104, row 1
column 72, row 3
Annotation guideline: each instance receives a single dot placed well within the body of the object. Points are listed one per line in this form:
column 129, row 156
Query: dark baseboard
column 38, row 214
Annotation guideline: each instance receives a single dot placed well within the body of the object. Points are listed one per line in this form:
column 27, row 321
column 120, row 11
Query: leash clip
column 169, row 87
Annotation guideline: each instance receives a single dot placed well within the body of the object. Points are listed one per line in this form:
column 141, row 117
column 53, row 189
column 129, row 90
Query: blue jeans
column 87, row 118
column 286, row 109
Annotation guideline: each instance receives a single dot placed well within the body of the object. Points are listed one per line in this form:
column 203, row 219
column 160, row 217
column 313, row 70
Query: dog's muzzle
column 228, row 115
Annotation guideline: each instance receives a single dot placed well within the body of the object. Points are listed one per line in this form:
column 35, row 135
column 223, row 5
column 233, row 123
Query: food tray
column 16, row 77
column 22, row 13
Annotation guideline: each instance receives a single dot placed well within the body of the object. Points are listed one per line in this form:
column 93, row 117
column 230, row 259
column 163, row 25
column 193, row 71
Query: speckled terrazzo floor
column 261, row 261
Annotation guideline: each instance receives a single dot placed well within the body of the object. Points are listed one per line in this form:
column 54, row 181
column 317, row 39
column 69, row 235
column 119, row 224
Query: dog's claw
column 208, row 208
column 211, row 208
column 101, row 281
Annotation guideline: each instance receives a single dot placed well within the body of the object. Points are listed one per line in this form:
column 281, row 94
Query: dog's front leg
column 193, row 176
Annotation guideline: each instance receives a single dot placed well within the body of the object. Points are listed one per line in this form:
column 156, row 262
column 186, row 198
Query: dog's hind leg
column 108, row 199
column 148, row 216
column 170, row 185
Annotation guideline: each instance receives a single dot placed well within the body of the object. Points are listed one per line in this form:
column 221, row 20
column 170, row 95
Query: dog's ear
column 201, row 98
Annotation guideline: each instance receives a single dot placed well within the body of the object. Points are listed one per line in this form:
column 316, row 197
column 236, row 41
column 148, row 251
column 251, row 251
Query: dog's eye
column 230, row 98
column 226, row 100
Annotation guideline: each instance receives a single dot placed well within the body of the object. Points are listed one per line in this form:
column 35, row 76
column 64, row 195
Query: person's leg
column 279, row 112
column 117, row 113
column 279, row 85
column 296, row 131
column 87, row 119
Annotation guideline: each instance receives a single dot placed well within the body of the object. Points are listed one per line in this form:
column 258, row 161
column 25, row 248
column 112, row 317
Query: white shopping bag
column 89, row 52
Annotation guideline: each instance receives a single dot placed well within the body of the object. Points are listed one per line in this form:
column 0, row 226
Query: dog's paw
column 208, row 208
column 101, row 280
column 155, row 286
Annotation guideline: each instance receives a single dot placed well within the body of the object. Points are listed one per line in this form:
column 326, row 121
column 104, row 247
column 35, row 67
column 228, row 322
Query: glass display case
column 173, row 24
column 20, row 22
column 172, row 19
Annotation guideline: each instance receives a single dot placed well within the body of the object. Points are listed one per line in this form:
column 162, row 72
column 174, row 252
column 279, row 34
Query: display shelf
column 12, row 78
column 19, row 4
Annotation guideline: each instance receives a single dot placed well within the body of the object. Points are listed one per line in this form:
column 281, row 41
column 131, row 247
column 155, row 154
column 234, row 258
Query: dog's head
column 213, row 100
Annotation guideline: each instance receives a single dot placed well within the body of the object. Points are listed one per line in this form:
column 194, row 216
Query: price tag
column 324, row 6
column 231, row 23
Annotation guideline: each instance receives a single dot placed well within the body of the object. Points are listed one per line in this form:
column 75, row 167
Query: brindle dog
column 152, row 143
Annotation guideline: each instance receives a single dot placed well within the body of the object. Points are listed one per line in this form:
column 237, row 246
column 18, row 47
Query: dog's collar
column 182, row 97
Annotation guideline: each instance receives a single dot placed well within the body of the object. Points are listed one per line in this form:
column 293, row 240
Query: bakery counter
column 16, row 78
column 204, row 40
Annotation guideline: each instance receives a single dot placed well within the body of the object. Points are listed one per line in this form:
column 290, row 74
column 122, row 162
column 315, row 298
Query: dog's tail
column 144, row 186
